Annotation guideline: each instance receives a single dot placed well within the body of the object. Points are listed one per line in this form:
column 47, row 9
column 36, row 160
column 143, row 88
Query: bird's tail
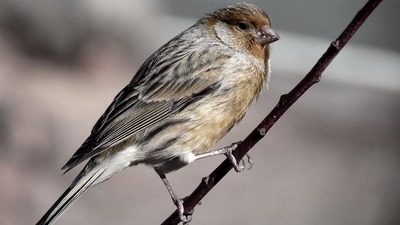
column 78, row 187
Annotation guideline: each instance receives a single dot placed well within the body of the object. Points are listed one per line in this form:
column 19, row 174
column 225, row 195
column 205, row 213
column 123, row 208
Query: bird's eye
column 242, row 26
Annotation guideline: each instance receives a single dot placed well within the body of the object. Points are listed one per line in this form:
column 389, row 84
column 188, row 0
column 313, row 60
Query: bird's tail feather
column 77, row 188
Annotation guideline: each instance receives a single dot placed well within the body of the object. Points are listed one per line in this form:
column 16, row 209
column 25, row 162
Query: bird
column 183, row 99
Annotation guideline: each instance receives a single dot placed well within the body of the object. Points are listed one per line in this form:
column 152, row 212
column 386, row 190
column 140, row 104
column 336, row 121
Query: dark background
column 333, row 158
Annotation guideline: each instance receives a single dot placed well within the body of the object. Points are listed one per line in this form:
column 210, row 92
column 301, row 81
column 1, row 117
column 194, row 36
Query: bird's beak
column 266, row 35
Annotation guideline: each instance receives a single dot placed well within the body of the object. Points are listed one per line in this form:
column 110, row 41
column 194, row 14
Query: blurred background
column 333, row 158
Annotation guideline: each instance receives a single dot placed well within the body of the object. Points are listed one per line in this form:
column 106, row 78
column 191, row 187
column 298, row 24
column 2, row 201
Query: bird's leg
column 228, row 152
column 177, row 201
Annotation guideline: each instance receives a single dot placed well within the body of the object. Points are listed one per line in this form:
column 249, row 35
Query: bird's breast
column 211, row 118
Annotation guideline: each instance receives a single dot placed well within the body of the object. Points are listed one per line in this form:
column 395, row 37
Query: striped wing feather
column 157, row 91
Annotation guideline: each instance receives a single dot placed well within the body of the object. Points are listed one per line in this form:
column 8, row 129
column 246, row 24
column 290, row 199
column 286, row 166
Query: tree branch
column 284, row 103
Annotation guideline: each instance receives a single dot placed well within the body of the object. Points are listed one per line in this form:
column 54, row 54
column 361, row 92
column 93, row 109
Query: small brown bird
column 182, row 100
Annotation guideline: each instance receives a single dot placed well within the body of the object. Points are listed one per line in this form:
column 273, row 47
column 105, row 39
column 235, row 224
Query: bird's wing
column 161, row 88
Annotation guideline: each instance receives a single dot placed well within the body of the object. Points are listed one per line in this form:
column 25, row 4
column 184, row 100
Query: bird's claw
column 238, row 167
column 249, row 160
column 185, row 219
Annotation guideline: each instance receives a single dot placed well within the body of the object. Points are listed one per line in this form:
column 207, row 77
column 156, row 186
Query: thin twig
column 284, row 103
